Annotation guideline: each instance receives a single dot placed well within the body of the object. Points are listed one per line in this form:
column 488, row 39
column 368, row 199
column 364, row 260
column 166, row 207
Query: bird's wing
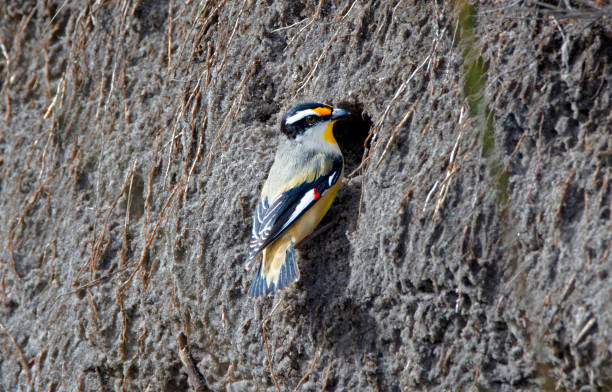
column 274, row 218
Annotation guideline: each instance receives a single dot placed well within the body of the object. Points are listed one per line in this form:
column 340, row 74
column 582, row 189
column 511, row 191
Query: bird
column 302, row 183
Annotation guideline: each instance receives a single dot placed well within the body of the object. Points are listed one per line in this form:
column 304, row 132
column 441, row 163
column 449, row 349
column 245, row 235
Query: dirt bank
column 470, row 251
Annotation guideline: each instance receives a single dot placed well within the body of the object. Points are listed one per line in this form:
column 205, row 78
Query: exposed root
column 263, row 329
column 312, row 365
column 24, row 363
column 196, row 380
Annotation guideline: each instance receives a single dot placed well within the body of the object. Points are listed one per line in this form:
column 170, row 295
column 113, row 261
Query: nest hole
column 352, row 135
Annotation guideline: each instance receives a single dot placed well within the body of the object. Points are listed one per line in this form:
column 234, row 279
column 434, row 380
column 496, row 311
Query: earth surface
column 469, row 247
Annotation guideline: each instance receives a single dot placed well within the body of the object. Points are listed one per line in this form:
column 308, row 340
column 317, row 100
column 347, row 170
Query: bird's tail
column 276, row 271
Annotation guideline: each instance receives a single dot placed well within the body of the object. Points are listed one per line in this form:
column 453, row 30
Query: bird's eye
column 311, row 119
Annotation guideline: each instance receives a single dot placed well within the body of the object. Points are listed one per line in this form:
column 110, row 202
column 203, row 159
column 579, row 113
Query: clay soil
column 469, row 247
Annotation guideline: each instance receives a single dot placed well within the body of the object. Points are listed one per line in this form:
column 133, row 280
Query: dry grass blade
column 450, row 171
column 289, row 27
column 60, row 91
column 126, row 222
column 431, row 192
column 407, row 194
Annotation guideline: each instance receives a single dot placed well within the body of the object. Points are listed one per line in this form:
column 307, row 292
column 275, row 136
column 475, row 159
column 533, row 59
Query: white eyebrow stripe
column 300, row 115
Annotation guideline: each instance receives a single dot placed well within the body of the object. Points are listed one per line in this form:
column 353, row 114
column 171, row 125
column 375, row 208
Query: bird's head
column 311, row 119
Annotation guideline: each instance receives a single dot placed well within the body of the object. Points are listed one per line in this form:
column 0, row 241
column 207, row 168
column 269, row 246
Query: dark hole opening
column 351, row 134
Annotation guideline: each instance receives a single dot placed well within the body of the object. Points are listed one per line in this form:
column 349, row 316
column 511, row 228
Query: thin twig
column 120, row 299
column 126, row 222
column 95, row 316
column 9, row 245
column 7, row 79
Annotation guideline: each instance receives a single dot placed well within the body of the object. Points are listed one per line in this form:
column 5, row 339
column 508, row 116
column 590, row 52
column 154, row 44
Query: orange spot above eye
column 322, row 111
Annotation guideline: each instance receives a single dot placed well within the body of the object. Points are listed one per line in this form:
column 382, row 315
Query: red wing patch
column 315, row 194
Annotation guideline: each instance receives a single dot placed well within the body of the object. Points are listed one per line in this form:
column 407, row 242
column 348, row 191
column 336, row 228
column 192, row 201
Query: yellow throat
column 328, row 134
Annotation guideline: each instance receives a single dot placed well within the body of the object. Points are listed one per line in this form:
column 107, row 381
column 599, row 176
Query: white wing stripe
column 304, row 202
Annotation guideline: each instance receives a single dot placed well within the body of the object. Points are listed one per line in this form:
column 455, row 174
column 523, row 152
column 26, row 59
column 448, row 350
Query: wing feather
column 272, row 220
